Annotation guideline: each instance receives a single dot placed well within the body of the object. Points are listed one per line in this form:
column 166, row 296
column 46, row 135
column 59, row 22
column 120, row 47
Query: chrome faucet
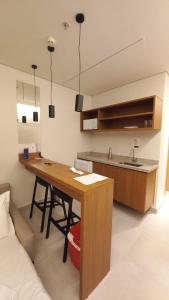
column 110, row 153
column 134, row 158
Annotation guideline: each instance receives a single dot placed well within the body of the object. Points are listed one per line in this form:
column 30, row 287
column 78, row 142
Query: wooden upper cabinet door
column 157, row 113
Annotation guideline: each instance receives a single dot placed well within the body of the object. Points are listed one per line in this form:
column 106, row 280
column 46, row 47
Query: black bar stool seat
column 63, row 224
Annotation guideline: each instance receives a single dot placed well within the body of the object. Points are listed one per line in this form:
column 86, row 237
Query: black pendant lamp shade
column 51, row 106
column 35, row 113
column 51, row 111
column 23, row 91
column 35, row 116
column 79, row 98
column 24, row 119
column 79, row 103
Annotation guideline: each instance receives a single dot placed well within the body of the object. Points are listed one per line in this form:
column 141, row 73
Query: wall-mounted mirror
column 29, row 131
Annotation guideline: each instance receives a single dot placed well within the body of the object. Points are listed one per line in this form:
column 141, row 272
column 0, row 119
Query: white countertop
column 147, row 165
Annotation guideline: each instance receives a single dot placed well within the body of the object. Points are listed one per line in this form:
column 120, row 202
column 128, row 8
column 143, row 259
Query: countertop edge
column 116, row 164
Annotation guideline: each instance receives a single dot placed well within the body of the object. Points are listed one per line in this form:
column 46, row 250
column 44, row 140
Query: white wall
column 60, row 138
column 152, row 144
column 163, row 156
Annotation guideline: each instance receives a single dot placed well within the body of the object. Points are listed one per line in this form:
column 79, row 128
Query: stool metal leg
column 50, row 215
column 64, row 208
column 44, row 209
column 67, row 231
column 33, row 199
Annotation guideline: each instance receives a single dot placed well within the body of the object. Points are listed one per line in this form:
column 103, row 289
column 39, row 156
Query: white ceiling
column 110, row 25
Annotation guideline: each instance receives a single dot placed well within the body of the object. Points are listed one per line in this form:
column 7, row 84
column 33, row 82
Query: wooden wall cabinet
column 133, row 188
column 140, row 114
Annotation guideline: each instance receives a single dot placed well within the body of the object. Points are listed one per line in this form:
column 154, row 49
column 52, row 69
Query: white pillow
column 7, row 293
column 6, row 225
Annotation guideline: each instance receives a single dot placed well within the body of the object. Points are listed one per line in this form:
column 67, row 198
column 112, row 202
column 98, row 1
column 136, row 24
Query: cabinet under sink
column 131, row 187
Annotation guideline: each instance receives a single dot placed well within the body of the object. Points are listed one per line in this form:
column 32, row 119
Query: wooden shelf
column 126, row 116
column 145, row 113
column 125, row 129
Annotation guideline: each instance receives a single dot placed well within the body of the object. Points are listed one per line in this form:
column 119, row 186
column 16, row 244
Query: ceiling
column 109, row 26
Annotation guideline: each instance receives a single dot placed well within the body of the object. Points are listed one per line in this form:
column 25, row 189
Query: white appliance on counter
column 90, row 124
column 84, row 165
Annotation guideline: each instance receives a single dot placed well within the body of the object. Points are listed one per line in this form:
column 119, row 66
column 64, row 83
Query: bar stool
column 45, row 203
column 63, row 224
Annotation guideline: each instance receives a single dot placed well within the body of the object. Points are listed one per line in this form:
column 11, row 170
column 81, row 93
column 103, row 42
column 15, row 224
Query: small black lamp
column 23, row 91
column 79, row 98
column 24, row 119
column 51, row 49
column 35, row 113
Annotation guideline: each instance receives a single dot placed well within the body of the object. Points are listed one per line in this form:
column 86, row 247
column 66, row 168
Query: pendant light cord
column 51, row 79
column 23, row 93
column 35, row 87
column 80, row 64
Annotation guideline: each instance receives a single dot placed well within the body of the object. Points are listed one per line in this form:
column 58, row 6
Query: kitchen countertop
column 148, row 165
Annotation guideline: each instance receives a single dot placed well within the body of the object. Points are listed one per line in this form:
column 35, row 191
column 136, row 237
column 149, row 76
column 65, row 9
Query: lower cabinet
column 133, row 188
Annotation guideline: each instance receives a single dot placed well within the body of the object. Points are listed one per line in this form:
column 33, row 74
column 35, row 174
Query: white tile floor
column 140, row 259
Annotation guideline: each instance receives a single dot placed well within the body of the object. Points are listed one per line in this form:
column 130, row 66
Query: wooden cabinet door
column 132, row 188
column 99, row 169
column 138, row 190
column 106, row 170
column 122, row 181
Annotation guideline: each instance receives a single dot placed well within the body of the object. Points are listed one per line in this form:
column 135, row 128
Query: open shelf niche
column 140, row 114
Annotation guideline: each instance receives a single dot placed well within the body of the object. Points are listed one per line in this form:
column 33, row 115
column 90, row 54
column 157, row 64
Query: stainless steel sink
column 130, row 164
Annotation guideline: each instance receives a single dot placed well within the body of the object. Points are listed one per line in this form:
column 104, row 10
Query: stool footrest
column 63, row 228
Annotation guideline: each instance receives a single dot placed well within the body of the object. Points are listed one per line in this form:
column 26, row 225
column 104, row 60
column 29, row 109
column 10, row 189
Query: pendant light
column 23, row 93
column 35, row 113
column 51, row 49
column 79, row 98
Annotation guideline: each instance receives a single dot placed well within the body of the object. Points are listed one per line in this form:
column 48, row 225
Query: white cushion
column 6, row 225
column 4, row 219
column 18, row 273
column 7, row 294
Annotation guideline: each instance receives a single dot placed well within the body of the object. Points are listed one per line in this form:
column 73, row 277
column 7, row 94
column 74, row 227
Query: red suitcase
column 74, row 245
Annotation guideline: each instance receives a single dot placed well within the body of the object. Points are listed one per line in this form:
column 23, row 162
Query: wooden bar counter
column 96, row 218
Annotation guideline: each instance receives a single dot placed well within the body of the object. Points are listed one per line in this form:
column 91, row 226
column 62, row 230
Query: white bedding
column 17, row 273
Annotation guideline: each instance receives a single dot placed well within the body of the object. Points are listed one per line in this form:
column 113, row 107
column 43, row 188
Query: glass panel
column 27, row 110
column 29, row 132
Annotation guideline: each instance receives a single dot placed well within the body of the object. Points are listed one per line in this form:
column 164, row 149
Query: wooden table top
column 60, row 176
